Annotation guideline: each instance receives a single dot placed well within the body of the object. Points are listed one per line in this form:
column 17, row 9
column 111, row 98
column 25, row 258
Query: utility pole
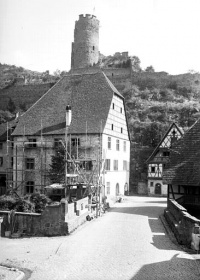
column 68, row 122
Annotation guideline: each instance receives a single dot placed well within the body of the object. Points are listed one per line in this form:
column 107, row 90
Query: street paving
column 127, row 243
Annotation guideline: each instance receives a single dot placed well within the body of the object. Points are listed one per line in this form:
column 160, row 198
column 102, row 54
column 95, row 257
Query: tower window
column 112, row 126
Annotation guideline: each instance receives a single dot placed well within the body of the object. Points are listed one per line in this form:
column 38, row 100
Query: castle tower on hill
column 85, row 48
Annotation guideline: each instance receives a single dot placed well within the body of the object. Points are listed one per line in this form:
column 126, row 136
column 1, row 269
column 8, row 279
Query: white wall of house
column 152, row 186
column 116, row 149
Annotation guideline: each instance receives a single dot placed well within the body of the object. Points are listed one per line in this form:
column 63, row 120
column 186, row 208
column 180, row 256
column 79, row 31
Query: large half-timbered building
column 158, row 160
column 182, row 174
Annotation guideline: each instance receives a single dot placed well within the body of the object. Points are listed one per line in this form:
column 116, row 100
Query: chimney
column 68, row 115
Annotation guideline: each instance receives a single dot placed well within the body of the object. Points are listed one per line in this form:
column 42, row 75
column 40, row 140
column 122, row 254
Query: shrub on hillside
column 11, row 106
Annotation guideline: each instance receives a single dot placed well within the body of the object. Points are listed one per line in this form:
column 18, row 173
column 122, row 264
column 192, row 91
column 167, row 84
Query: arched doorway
column 158, row 188
column 126, row 189
column 117, row 189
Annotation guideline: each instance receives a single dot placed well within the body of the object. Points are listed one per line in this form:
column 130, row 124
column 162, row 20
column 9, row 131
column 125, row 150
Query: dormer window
column 153, row 169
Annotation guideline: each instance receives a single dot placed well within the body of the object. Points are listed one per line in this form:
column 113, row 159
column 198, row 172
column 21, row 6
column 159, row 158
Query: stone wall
column 117, row 72
column 180, row 221
column 50, row 222
column 60, row 219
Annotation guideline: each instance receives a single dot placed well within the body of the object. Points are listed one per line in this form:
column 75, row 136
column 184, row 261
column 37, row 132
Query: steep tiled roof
column 89, row 95
column 158, row 146
column 184, row 165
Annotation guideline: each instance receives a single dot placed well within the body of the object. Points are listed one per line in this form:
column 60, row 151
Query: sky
column 37, row 34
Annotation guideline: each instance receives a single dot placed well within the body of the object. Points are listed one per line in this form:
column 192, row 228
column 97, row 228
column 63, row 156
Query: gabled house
column 158, row 160
column 98, row 132
column 183, row 171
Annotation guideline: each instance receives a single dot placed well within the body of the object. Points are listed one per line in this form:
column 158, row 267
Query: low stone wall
column 60, row 219
column 180, row 221
column 50, row 222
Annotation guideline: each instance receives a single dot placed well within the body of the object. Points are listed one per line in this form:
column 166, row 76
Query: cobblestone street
column 127, row 243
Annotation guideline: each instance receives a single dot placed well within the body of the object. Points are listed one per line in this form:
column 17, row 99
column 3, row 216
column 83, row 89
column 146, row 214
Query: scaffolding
column 21, row 168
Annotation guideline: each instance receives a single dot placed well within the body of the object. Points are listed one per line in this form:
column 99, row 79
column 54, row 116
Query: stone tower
column 85, row 48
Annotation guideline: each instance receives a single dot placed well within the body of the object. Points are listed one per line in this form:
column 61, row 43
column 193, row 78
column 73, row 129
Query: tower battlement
column 86, row 16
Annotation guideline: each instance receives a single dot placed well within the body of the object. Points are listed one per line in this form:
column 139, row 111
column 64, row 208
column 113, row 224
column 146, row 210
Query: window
column 1, row 145
column 115, row 164
column 112, row 126
column 87, row 165
column 57, row 142
column 32, row 143
column 166, row 154
column 11, row 162
column 30, row 163
column 107, row 164
column 93, row 48
column 1, row 161
column 124, row 146
column 151, row 184
column 108, row 187
column 121, row 110
column 30, row 187
column 125, row 165
column 121, row 129
column 117, row 144
column 153, row 169
column 109, row 143
column 75, row 142
column 113, row 105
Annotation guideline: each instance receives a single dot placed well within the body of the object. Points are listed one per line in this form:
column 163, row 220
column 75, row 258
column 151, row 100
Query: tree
column 57, row 166
column 135, row 63
column 150, row 69
column 11, row 106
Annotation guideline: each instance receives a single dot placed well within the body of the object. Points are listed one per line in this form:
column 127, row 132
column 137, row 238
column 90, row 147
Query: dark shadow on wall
column 176, row 268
